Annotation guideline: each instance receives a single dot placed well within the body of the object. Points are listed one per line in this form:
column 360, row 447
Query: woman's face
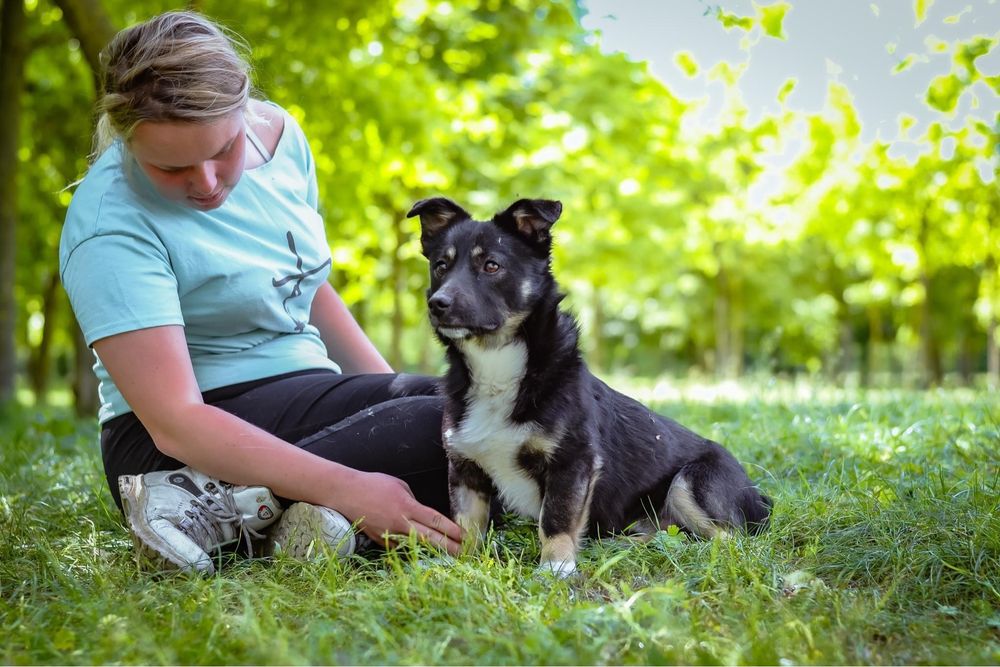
column 196, row 164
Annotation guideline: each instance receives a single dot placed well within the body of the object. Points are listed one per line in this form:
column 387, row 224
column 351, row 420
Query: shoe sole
column 151, row 552
column 302, row 530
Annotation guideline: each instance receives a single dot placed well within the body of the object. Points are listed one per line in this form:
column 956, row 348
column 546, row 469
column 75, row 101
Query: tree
column 13, row 52
column 93, row 28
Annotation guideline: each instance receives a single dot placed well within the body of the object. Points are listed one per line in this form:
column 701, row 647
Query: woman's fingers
column 450, row 541
column 432, row 538
column 437, row 539
column 440, row 523
column 400, row 513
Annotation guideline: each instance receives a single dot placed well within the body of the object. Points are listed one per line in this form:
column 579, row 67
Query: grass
column 884, row 549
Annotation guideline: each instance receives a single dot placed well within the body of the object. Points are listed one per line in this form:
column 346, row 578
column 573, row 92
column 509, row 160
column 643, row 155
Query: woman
column 196, row 264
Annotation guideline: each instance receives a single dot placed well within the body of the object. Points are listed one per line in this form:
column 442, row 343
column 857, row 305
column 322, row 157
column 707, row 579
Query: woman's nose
column 203, row 179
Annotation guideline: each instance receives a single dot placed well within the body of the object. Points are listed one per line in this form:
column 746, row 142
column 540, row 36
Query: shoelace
column 207, row 516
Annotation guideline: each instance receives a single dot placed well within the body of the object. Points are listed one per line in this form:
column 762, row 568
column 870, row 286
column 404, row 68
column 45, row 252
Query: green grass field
column 884, row 549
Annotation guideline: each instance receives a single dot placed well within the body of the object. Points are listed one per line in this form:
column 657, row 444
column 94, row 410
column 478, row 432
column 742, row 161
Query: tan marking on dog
column 559, row 553
column 545, row 444
column 683, row 507
column 450, row 252
column 526, row 223
column 559, row 550
column 472, row 513
column 476, row 251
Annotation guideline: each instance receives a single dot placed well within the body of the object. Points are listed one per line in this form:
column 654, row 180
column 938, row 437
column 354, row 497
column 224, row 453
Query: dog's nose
column 439, row 303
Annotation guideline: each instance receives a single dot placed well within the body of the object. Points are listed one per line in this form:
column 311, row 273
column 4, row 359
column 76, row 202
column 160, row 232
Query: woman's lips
column 210, row 200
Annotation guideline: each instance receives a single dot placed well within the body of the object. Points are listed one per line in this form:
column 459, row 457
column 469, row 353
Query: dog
column 524, row 417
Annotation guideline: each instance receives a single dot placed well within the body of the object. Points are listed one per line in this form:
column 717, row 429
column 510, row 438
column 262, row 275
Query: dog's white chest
column 486, row 434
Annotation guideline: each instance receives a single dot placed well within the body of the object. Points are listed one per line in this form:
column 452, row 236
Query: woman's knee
column 406, row 384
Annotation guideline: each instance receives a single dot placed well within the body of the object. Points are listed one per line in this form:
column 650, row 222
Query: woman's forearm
column 345, row 341
column 225, row 446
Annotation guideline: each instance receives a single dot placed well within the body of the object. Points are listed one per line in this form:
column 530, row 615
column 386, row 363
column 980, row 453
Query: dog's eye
column 491, row 267
column 440, row 266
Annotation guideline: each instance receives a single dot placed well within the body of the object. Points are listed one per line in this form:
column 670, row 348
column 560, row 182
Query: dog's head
column 485, row 276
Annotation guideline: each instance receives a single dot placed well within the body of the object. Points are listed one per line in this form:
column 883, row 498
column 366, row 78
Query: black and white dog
column 525, row 417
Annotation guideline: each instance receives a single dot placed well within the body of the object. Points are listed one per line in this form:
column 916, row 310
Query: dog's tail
column 756, row 509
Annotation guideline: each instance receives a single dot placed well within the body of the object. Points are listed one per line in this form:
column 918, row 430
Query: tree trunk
column 736, row 327
column 723, row 319
column 992, row 353
column 398, row 290
column 992, row 344
column 964, row 360
column 993, row 301
column 91, row 26
column 846, row 362
column 40, row 363
column 930, row 350
column 13, row 53
column 85, row 397
column 875, row 349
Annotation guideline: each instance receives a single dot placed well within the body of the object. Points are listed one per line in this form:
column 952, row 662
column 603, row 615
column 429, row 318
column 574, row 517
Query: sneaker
column 303, row 529
column 181, row 519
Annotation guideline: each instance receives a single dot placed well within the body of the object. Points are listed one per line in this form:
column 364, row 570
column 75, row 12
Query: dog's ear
column 531, row 218
column 436, row 214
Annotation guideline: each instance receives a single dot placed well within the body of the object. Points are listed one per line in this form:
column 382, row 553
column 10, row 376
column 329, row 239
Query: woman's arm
column 345, row 342
column 152, row 369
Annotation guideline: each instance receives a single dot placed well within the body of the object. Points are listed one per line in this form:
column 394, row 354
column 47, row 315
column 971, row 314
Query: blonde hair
column 178, row 66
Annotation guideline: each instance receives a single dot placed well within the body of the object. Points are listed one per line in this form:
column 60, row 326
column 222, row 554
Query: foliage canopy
column 861, row 263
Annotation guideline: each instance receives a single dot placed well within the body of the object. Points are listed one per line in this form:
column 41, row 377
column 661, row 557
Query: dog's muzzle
column 455, row 333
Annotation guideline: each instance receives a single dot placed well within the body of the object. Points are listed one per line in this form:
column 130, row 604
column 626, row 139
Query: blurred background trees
column 863, row 268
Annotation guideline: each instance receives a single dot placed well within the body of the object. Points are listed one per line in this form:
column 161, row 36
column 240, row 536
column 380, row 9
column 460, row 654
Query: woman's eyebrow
column 226, row 147
column 229, row 144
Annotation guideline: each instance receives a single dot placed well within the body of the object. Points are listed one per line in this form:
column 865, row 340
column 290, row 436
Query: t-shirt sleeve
column 306, row 158
column 117, row 283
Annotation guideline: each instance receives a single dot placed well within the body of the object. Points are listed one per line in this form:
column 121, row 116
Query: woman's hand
column 386, row 509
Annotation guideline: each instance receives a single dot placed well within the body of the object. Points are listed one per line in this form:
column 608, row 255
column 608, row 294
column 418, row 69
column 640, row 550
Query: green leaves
column 920, row 8
column 772, row 18
column 680, row 244
column 686, row 63
column 944, row 92
column 729, row 20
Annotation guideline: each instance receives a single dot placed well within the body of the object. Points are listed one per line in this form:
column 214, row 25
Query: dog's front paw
column 560, row 569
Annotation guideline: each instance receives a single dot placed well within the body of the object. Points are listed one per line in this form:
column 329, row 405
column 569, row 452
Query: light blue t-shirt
column 240, row 279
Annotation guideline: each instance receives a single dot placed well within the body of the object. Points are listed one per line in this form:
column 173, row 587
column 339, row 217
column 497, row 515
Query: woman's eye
column 491, row 267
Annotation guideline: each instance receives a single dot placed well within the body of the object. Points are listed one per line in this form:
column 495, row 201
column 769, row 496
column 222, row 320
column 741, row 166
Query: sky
column 855, row 42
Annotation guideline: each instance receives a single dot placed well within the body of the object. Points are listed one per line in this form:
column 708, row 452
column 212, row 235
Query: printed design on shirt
column 297, row 277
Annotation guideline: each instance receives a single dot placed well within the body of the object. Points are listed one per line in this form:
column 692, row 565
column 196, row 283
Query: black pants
column 375, row 423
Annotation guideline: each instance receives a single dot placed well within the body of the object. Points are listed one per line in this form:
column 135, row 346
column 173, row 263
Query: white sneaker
column 304, row 528
column 180, row 519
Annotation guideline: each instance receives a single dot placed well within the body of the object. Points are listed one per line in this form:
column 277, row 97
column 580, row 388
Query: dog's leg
column 565, row 512
column 470, row 489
